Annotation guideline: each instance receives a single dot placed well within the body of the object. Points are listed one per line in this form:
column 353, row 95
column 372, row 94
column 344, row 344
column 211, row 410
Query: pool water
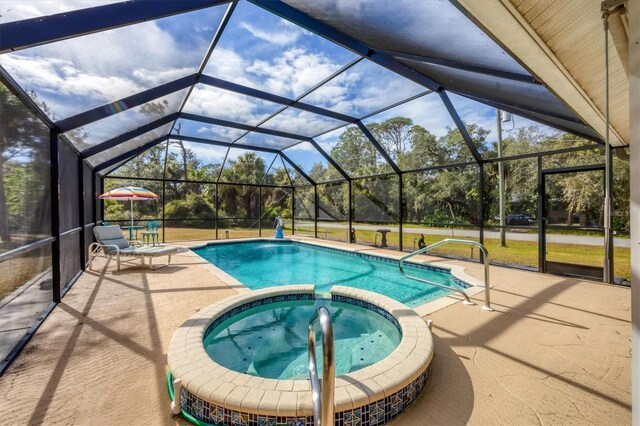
column 271, row 340
column 260, row 264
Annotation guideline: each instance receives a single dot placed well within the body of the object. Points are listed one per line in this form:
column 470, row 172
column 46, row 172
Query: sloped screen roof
column 293, row 80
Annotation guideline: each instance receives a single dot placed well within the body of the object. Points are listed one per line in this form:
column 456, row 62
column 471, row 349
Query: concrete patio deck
column 556, row 351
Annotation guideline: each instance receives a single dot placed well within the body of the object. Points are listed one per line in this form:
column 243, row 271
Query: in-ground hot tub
column 242, row 361
column 271, row 340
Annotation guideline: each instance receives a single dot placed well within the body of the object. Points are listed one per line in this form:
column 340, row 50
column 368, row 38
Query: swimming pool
column 261, row 264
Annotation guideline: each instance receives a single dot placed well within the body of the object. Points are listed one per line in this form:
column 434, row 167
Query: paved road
column 516, row 236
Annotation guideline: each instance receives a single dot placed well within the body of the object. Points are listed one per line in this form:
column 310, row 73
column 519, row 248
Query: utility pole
column 503, row 236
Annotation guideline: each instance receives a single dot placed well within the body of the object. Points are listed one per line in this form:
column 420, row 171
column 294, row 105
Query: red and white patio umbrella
column 129, row 193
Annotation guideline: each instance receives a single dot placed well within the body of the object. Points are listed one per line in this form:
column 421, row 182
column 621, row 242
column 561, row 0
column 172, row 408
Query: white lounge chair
column 112, row 242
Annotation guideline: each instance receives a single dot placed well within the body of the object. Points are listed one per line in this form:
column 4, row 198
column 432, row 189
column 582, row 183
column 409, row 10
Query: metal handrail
column 322, row 396
column 485, row 253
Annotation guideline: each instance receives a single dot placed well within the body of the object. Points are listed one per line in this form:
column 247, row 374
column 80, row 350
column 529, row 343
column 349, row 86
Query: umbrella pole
column 131, row 201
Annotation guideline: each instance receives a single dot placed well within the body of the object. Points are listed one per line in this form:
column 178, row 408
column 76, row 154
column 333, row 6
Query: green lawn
column 19, row 270
column 523, row 253
column 199, row 234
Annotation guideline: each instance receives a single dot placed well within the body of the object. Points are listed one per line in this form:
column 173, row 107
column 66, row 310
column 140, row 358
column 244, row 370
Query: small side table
column 131, row 229
column 384, row 232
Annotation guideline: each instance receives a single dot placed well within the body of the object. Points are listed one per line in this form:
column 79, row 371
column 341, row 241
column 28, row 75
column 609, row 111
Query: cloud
column 293, row 73
column 128, row 145
column 81, row 73
column 16, row 10
column 281, row 38
column 207, row 153
column 56, row 80
column 301, row 122
column 303, row 147
column 154, row 77
column 218, row 103
column 362, row 89
column 114, row 125
column 267, row 141
column 288, row 74
column 228, row 65
column 224, row 134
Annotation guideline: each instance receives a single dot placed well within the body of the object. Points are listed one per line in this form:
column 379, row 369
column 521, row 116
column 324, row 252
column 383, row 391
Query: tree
column 149, row 164
column 455, row 148
column 241, row 201
column 395, row 135
column 425, row 150
column 24, row 148
column 355, row 153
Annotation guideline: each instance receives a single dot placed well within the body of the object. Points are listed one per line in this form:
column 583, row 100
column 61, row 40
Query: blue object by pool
column 260, row 264
column 279, row 225
column 271, row 340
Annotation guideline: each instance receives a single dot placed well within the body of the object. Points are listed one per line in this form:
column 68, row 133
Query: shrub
column 193, row 206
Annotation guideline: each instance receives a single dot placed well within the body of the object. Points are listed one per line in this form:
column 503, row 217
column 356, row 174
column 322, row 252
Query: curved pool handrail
column 322, row 395
column 483, row 249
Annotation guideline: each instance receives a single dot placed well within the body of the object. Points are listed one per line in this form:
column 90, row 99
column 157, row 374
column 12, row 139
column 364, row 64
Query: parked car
column 519, row 219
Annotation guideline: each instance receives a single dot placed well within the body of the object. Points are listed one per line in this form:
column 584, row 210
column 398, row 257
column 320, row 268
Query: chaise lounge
column 112, row 242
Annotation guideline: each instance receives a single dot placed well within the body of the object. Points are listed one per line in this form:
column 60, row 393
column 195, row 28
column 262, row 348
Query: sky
column 257, row 49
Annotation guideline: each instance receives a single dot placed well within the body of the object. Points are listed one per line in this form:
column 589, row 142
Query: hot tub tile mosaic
column 377, row 413
column 369, row 306
column 244, row 307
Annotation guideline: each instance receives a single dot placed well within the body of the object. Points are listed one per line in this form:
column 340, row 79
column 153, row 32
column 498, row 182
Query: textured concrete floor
column 556, row 351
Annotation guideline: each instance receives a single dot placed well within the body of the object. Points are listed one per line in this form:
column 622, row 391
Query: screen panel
column 350, row 148
column 333, row 211
column 25, row 175
column 442, row 203
column 243, row 166
column 115, row 125
column 283, row 58
column 214, row 102
column 400, row 27
column 26, row 282
column 419, row 134
column 302, row 123
column 81, row 73
column 69, row 194
column 314, row 164
column 189, row 211
column 362, row 89
column 376, row 208
column 194, row 161
column 126, row 147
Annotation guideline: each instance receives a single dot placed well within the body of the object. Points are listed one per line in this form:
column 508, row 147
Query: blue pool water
column 260, row 264
column 271, row 340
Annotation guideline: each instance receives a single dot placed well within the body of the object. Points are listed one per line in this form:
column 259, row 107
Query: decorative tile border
column 376, row 413
column 307, row 296
column 370, row 306
column 245, row 307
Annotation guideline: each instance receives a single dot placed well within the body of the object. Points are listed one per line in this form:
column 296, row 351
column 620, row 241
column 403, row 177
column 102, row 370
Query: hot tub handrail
column 322, row 395
column 485, row 253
